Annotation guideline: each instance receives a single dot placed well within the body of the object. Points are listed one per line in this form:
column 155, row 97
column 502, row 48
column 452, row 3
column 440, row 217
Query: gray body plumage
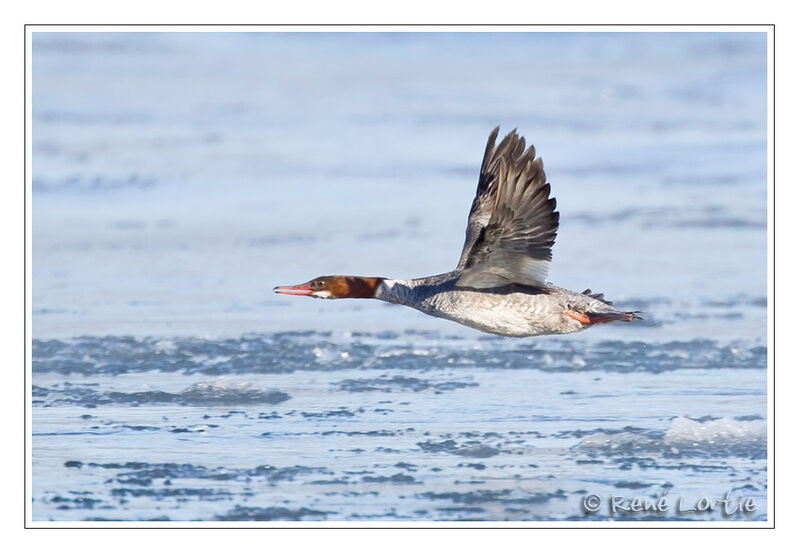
column 510, row 310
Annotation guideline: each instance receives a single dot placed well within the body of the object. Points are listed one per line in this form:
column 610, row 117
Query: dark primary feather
column 482, row 205
column 512, row 224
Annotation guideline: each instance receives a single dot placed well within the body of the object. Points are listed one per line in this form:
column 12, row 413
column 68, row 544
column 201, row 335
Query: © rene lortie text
column 727, row 505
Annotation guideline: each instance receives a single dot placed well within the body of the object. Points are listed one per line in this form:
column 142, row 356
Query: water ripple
column 288, row 352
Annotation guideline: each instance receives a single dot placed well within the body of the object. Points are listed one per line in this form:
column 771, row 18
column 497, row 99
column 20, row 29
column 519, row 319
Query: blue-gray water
column 178, row 177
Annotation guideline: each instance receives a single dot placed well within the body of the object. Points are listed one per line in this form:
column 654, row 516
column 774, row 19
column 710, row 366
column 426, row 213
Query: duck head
column 334, row 286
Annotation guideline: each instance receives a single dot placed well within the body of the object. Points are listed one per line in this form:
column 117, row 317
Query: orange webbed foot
column 583, row 318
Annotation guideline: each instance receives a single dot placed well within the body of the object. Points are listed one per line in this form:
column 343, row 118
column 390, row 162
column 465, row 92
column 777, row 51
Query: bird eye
column 317, row 284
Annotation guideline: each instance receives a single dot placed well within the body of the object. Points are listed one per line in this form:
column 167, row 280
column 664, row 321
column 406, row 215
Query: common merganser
column 499, row 285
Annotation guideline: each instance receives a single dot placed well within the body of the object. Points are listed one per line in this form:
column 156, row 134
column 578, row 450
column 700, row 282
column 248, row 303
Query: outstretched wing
column 482, row 205
column 513, row 223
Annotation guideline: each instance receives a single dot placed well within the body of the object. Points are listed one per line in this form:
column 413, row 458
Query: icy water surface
column 178, row 177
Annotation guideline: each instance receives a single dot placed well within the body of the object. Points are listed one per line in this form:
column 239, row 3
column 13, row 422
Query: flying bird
column 500, row 283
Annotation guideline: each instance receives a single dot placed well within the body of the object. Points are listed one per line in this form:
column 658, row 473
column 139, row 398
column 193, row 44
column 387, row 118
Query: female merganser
column 499, row 285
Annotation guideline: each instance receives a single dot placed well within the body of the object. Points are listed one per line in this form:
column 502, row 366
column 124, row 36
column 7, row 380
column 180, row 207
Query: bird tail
column 605, row 317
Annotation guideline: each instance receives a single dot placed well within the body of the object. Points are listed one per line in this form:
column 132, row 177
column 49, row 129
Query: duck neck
column 413, row 292
column 394, row 291
column 352, row 286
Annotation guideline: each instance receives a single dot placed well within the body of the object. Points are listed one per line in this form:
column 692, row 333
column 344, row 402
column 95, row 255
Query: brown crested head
column 335, row 286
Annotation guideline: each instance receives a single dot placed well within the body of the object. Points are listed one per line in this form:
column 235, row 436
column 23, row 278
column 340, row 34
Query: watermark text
column 727, row 505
